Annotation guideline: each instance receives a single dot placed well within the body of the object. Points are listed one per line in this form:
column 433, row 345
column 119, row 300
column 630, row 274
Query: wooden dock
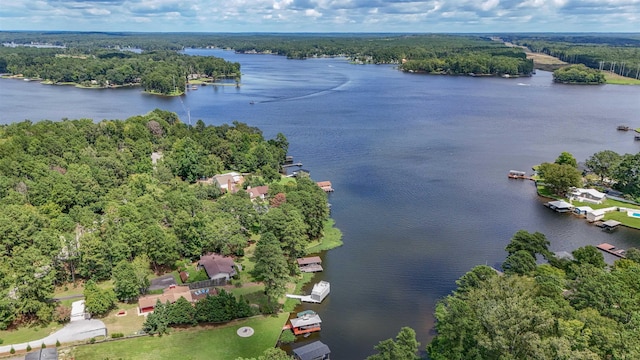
column 610, row 249
column 325, row 185
column 515, row 174
column 299, row 164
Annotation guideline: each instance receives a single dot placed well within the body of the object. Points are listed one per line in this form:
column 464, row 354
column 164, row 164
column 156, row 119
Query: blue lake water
column 419, row 164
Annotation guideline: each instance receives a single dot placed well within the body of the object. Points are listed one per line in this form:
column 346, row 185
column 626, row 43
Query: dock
column 325, row 185
column 298, row 164
column 515, row 174
column 320, row 291
column 623, row 128
column 608, row 248
column 310, row 264
column 559, row 206
column 608, row 225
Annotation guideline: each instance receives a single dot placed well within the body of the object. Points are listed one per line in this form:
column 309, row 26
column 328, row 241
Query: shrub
column 57, row 343
column 28, row 347
column 43, row 346
column 117, row 335
column 287, row 337
column 92, row 340
column 12, row 351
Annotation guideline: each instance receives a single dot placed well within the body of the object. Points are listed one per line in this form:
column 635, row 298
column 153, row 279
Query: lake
column 419, row 165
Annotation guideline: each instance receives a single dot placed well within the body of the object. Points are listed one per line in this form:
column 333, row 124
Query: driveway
column 72, row 332
column 162, row 282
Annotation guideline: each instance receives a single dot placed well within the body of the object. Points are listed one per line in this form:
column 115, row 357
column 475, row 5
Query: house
column 320, row 291
column 305, row 324
column 43, row 354
column 231, row 181
column 310, row 264
column 316, row 350
column 146, row 304
column 559, row 206
column 587, row 195
column 258, row 192
column 217, row 266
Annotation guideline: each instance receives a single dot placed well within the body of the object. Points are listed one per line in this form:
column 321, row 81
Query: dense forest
column 617, row 53
column 162, row 71
column 578, row 74
column 574, row 307
column 81, row 200
column 448, row 54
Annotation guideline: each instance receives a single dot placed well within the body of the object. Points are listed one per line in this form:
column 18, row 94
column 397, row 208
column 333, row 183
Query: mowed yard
column 220, row 343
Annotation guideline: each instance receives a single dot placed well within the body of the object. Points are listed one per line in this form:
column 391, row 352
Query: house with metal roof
column 316, row 350
column 217, row 266
column 307, row 323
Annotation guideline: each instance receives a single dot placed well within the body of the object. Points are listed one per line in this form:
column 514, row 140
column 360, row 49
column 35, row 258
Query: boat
column 252, row 102
column 194, row 87
column 306, row 312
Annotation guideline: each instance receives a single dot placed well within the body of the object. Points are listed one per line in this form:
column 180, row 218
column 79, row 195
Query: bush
column 287, row 337
column 117, row 335
column 57, row 343
column 12, row 351
column 43, row 346
column 28, row 347
column 92, row 340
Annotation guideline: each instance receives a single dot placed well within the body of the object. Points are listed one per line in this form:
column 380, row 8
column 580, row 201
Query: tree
column 97, row 301
column 627, row 175
column 520, row 262
column 141, row 270
column 533, row 243
column 589, row 255
column 158, row 321
column 566, row 158
column 405, row 347
column 474, row 278
column 560, row 177
column 181, row 313
column 125, row 282
column 603, row 163
column 271, row 266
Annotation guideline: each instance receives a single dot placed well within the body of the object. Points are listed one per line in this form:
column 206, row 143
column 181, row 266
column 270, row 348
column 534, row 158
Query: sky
column 449, row 16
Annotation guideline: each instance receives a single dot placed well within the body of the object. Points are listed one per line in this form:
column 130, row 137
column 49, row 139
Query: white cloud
column 312, row 13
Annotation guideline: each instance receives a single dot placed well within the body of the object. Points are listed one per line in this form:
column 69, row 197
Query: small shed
column 325, row 186
column 316, row 350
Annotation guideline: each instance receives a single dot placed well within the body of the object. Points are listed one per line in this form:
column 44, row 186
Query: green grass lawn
column 332, row 238
column 28, row 333
column 220, row 343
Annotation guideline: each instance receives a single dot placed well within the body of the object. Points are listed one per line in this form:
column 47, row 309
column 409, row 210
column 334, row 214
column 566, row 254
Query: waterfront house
column 146, row 304
column 231, row 181
column 587, row 195
column 310, row 264
column 217, row 266
column 316, row 350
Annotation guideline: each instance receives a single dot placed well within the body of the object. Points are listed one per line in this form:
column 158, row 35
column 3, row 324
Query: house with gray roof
column 217, row 267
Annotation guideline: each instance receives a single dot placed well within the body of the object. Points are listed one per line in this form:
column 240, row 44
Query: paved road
column 72, row 332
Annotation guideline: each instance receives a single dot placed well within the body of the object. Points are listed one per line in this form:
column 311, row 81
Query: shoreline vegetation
column 157, row 216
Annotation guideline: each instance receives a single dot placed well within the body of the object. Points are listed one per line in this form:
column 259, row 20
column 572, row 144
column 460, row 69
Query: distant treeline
column 451, row 54
column 160, row 71
column 619, row 54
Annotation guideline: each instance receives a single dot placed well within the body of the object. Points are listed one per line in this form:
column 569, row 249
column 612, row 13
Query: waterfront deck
column 608, row 248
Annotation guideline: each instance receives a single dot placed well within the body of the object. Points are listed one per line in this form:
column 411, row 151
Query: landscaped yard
column 126, row 324
column 219, row 343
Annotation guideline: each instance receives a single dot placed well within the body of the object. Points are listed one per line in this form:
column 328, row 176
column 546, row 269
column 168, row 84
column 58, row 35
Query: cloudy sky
column 322, row 15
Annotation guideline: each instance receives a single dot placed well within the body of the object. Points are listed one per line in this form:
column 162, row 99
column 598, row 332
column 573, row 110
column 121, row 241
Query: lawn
column 620, row 80
column 219, row 343
column 127, row 324
column 332, row 238
column 28, row 333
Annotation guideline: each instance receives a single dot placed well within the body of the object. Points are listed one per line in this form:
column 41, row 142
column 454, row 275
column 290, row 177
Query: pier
column 299, row 164
column 515, row 174
column 610, row 249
